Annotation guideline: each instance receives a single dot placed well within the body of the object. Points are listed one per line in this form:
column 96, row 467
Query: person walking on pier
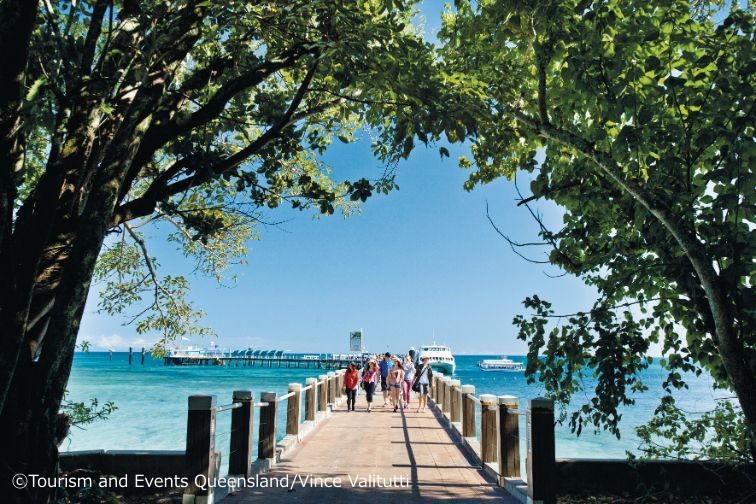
column 385, row 365
column 409, row 376
column 351, row 380
column 369, row 379
column 395, row 381
column 423, row 380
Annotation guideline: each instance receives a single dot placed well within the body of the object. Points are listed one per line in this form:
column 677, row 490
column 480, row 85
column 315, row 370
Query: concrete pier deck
column 406, row 457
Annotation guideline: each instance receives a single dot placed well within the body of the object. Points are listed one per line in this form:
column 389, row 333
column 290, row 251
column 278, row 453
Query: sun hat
column 424, row 357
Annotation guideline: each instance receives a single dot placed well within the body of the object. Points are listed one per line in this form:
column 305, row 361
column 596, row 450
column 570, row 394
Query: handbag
column 416, row 381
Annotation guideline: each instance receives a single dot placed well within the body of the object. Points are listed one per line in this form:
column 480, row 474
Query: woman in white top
column 424, row 378
column 409, row 376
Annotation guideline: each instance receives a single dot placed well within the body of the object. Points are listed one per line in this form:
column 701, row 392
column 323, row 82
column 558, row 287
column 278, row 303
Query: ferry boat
column 503, row 364
column 194, row 354
column 440, row 358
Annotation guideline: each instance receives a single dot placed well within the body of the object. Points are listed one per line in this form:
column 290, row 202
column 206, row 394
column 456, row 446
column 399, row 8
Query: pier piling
column 130, row 355
column 242, row 420
column 446, row 399
column 267, row 435
column 331, row 399
column 322, row 392
column 293, row 409
column 489, row 409
column 541, row 451
column 311, row 385
column 509, row 437
column 200, row 448
column 468, row 411
column 454, row 402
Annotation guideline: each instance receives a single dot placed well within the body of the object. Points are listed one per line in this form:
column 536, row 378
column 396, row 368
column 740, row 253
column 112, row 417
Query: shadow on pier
column 380, row 456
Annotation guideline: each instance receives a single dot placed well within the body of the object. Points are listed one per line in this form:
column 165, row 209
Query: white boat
column 440, row 358
column 503, row 364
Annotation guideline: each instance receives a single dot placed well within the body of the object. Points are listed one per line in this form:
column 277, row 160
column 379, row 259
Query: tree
column 644, row 112
column 118, row 113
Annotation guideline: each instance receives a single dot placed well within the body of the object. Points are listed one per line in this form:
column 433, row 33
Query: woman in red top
column 351, row 379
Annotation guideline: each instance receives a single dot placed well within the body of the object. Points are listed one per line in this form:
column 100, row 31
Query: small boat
column 440, row 358
column 503, row 364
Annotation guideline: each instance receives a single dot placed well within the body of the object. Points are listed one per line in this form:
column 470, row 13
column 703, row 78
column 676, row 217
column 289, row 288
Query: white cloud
column 115, row 342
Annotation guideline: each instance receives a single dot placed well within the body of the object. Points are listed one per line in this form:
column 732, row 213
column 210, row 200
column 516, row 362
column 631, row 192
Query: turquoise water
column 152, row 401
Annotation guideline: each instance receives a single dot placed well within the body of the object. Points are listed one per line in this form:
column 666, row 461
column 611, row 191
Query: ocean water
column 152, row 401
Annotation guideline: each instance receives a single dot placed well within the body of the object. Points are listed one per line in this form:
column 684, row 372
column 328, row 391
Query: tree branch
column 160, row 190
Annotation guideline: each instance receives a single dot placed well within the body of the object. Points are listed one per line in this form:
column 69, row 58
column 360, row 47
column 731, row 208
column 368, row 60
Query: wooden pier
column 381, row 455
column 464, row 448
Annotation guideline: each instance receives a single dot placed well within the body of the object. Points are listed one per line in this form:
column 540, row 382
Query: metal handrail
column 227, row 407
column 308, row 387
column 261, row 404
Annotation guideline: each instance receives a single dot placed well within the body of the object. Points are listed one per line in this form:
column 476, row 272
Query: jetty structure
column 191, row 356
column 465, row 448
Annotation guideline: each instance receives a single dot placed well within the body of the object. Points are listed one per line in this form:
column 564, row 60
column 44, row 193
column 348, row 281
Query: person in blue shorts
column 384, row 367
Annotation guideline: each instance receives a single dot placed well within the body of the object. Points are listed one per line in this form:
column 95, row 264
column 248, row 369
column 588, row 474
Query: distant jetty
column 261, row 358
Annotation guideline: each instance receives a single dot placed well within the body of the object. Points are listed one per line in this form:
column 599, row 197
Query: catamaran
column 503, row 364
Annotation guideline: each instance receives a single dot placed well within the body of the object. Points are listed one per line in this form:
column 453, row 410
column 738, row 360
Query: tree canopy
column 199, row 115
column 644, row 114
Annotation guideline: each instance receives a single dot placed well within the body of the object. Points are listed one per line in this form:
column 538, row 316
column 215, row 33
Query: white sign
column 355, row 341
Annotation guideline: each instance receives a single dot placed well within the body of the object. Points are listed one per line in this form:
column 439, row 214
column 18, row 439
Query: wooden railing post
column 454, row 402
column 446, row 401
column 331, row 388
column 509, row 437
column 468, row 411
column 541, row 451
column 293, row 409
column 340, row 383
column 323, row 393
column 310, row 398
column 266, row 448
column 200, row 449
column 489, row 410
column 242, row 420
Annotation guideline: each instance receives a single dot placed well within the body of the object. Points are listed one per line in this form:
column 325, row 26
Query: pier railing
column 498, row 450
column 202, row 461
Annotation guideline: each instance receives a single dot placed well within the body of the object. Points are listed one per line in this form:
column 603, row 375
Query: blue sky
column 423, row 259
column 419, row 261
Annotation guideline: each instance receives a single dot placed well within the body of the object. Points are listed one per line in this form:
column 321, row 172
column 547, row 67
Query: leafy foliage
column 228, row 108
column 644, row 112
column 719, row 434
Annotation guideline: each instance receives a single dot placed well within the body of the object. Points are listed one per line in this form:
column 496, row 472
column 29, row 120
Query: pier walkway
column 404, row 456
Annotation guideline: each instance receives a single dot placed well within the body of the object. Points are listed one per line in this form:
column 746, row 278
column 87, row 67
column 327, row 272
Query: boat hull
column 447, row 368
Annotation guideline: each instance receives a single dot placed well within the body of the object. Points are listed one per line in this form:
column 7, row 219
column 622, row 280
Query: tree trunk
column 17, row 19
